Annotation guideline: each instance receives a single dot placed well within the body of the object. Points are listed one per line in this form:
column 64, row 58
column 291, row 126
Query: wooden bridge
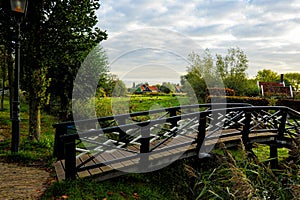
column 111, row 146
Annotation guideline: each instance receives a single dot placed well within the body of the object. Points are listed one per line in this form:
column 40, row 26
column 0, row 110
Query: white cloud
column 266, row 30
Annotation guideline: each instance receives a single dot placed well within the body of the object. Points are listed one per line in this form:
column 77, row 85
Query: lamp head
column 19, row 6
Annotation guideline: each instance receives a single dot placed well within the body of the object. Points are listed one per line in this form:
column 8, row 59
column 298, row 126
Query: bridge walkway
column 138, row 146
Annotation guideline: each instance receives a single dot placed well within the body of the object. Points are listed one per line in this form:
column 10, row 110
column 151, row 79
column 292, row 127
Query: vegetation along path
column 20, row 182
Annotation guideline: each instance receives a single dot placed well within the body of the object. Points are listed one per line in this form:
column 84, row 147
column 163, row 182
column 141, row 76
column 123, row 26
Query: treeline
column 229, row 71
column 56, row 38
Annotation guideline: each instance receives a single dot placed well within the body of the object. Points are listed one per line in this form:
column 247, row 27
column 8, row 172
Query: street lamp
column 19, row 9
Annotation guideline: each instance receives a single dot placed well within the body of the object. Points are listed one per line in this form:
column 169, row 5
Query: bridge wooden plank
column 120, row 154
column 82, row 173
column 128, row 154
column 92, row 162
column 134, row 148
column 162, row 156
column 60, row 169
column 108, row 157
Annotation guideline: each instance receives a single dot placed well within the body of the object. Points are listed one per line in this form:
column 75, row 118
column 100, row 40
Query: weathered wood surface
column 173, row 149
column 183, row 132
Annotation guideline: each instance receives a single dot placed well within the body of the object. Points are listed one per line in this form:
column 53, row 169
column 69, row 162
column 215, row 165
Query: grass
column 30, row 152
column 119, row 105
column 127, row 187
column 228, row 174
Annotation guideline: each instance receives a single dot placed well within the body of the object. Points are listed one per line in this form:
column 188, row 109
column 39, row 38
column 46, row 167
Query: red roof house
column 269, row 89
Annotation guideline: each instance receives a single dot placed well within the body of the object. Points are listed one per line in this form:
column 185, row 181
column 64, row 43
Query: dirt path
column 19, row 182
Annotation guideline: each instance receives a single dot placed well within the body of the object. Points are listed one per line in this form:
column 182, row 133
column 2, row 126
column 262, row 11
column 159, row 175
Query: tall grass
column 244, row 177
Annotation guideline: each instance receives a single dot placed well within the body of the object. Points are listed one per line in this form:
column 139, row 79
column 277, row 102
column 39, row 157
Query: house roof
column 146, row 88
column 153, row 88
column 275, row 89
column 271, row 84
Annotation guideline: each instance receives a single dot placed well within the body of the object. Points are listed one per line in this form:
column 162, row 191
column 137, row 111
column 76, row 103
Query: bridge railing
column 67, row 128
column 198, row 127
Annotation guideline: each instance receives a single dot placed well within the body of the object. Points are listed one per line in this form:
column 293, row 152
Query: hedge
column 220, row 92
column 255, row 101
column 291, row 103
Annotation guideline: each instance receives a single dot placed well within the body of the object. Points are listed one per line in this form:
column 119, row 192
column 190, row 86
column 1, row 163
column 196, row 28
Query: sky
column 150, row 40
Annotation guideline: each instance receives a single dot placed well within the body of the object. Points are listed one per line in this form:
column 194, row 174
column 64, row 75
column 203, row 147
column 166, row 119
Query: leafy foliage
column 56, row 37
column 227, row 72
column 294, row 80
column 267, row 75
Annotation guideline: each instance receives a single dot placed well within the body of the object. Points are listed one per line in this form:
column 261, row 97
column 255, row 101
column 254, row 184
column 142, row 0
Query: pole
column 15, row 141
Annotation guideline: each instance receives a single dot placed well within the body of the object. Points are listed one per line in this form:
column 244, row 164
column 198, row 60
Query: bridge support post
column 246, row 131
column 281, row 128
column 172, row 113
column 122, row 134
column 70, row 161
column 145, row 147
column 273, row 156
column 201, row 133
column 58, row 151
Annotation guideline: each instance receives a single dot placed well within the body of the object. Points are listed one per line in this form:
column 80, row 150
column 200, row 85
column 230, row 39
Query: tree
column 3, row 73
column 92, row 77
column 167, row 87
column 119, row 88
column 113, row 86
column 232, row 69
column 294, row 80
column 192, row 83
column 267, row 75
column 57, row 36
column 252, row 89
column 7, row 36
column 201, row 75
column 228, row 71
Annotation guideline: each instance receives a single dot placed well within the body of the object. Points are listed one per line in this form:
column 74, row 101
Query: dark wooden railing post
column 145, row 148
column 246, row 130
column 173, row 113
column 274, row 146
column 145, row 140
column 122, row 134
column 281, row 128
column 58, row 152
column 70, row 160
column 201, row 132
column 274, row 156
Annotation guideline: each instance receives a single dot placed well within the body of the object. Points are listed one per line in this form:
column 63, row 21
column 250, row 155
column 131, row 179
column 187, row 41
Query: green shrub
column 255, row 101
column 220, row 92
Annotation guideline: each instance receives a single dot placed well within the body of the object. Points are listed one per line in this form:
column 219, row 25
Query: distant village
column 144, row 88
column 267, row 89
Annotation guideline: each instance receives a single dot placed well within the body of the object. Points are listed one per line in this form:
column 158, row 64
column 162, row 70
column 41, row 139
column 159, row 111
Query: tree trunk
column 34, row 119
column 2, row 92
column 64, row 105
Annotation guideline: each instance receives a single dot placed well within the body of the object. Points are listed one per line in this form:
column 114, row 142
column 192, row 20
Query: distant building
column 275, row 89
column 178, row 89
column 146, row 88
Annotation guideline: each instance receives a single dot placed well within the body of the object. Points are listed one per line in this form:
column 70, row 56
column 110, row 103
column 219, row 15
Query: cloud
column 266, row 30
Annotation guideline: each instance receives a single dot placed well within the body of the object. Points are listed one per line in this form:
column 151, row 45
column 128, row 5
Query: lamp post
column 19, row 9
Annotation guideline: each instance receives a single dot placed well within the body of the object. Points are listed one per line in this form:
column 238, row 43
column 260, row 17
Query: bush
column 293, row 104
column 296, row 94
column 255, row 101
column 220, row 92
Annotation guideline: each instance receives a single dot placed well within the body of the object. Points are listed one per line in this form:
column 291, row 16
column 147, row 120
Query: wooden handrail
column 65, row 147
